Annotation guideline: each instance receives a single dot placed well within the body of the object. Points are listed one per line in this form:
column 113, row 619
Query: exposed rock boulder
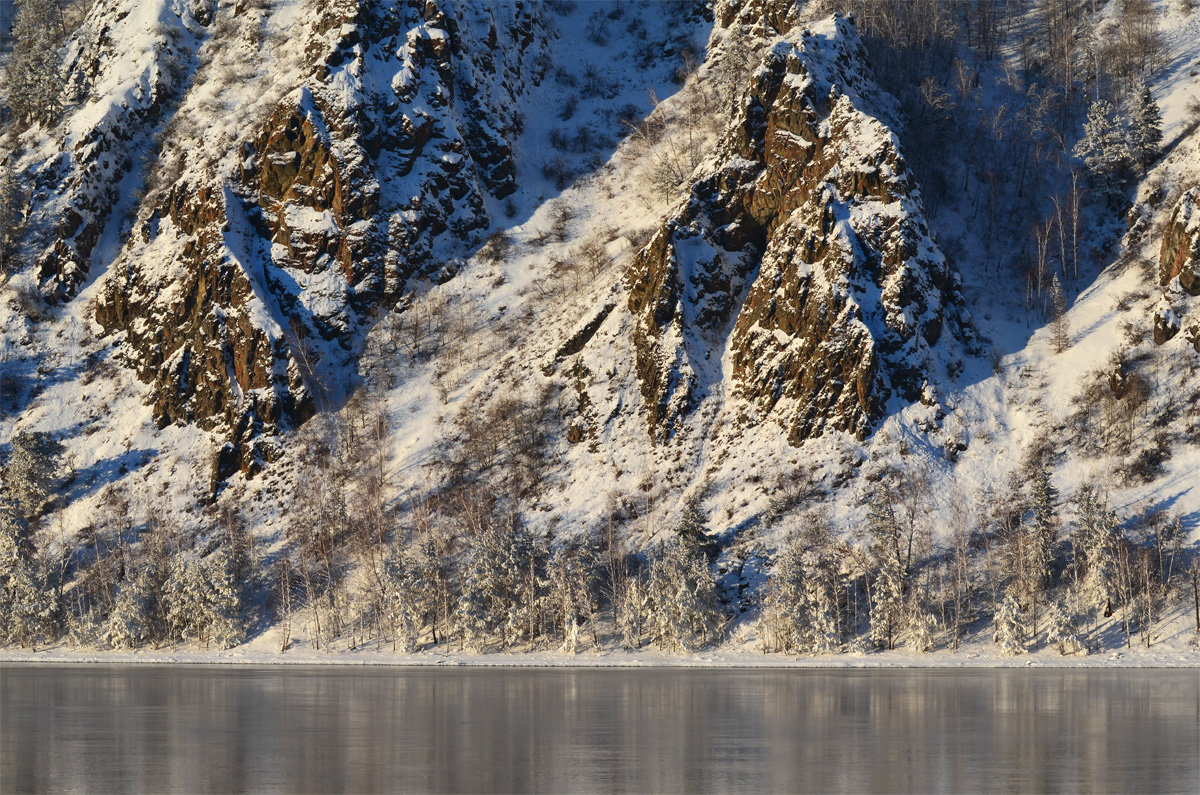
column 1166, row 325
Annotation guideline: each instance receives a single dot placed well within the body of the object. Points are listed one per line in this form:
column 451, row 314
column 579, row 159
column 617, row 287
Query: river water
column 235, row 729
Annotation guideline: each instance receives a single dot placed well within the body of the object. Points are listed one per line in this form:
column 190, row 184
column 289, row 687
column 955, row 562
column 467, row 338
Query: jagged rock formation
column 122, row 94
column 1181, row 245
column 808, row 237
column 1179, row 269
column 367, row 157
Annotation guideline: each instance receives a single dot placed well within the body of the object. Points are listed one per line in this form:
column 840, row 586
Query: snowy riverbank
column 1164, row 655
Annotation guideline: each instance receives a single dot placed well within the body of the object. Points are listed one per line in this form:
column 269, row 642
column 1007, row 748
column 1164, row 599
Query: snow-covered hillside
column 345, row 297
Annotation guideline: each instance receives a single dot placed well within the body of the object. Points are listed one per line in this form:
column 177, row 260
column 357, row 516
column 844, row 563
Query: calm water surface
column 188, row 729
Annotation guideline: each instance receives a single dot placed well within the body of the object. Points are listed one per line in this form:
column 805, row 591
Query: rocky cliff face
column 1179, row 271
column 804, row 252
column 366, row 153
column 126, row 70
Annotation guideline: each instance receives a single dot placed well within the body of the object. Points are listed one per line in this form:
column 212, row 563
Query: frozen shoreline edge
column 619, row 661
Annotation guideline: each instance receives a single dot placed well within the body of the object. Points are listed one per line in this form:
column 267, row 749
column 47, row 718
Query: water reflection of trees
column 164, row 729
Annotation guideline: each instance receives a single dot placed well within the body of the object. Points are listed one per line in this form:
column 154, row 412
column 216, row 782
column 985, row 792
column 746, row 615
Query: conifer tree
column 201, row 601
column 405, row 596
column 693, row 529
column 1043, row 526
column 32, row 470
column 12, row 204
column 684, row 610
column 1103, row 147
column 1036, row 547
column 887, row 592
column 482, row 603
column 922, row 626
column 798, row 611
column 786, row 621
column 631, row 602
column 131, row 622
column 1095, row 540
column 1063, row 630
column 524, row 558
column 25, row 608
column 1146, row 129
column 1009, row 625
column 571, row 573
column 35, row 81
column 1060, row 329
column 432, row 569
column 223, row 623
column 887, row 605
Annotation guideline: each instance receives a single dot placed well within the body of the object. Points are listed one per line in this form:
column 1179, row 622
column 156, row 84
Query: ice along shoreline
column 1168, row 658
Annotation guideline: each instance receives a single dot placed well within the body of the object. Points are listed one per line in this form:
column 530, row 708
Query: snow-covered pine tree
column 786, row 623
column 631, row 604
column 1009, row 625
column 405, row 598
column 499, row 598
column 887, row 591
column 1095, row 539
column 1103, row 147
column 1145, row 131
column 826, row 636
column 922, row 626
column 35, row 81
column 1036, row 546
column 887, row 605
column 684, row 609
column 201, row 601
column 12, row 205
column 182, row 598
column 131, row 622
column 799, row 613
column 1043, row 527
column 225, row 626
column 571, row 573
column 693, row 529
column 1062, row 630
column 1060, row 327
column 32, row 470
column 524, row 559
column 475, row 618
column 25, row 608
column 432, row 569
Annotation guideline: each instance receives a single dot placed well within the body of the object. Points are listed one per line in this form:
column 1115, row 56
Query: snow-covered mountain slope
column 255, row 182
column 409, row 251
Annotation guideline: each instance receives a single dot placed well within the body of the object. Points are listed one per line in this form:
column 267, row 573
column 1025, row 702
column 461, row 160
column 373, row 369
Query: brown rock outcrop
column 246, row 291
column 1179, row 256
column 811, row 240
